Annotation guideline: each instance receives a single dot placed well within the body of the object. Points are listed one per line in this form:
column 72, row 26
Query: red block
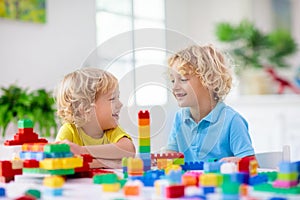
column 31, row 164
column 244, row 163
column 25, row 130
column 6, row 169
column 144, row 115
column 175, row 191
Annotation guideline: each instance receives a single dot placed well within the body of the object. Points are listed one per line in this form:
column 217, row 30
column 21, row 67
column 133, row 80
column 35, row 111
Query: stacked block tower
column 144, row 138
column 25, row 134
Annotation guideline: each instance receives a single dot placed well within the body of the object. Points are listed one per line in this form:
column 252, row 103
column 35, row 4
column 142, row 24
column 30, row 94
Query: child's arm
column 123, row 148
column 106, row 163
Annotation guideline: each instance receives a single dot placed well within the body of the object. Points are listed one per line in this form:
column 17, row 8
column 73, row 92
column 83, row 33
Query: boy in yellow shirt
column 88, row 104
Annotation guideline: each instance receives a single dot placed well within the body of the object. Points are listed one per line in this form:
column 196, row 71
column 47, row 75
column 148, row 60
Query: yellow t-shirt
column 78, row 136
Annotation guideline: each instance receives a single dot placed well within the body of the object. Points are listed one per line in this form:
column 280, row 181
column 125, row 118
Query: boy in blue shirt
column 205, row 127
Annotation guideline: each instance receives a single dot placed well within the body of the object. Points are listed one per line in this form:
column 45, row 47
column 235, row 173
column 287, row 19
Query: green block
column 124, row 162
column 25, row 123
column 122, row 182
column 57, row 148
column 34, row 171
column 35, row 193
column 178, row 161
column 272, row 176
column 230, row 188
column 144, row 142
column 288, row 177
column 105, row 179
column 267, row 187
column 144, row 149
column 61, row 171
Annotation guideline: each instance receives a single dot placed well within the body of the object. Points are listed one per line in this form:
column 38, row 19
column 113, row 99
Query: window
column 138, row 65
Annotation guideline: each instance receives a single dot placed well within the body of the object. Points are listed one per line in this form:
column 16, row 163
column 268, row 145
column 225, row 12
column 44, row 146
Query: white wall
column 38, row 55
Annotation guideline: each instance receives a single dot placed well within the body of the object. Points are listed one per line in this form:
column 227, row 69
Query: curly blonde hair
column 78, row 91
column 208, row 64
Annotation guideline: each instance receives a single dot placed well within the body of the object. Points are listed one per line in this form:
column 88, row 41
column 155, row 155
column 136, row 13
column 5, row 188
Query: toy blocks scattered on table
column 25, row 134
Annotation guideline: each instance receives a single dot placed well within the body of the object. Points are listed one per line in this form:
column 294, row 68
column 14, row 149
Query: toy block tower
column 25, row 134
column 144, row 138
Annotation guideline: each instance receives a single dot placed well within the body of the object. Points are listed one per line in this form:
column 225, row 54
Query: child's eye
column 184, row 79
column 173, row 81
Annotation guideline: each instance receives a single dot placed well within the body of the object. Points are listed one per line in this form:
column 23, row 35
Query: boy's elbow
column 131, row 150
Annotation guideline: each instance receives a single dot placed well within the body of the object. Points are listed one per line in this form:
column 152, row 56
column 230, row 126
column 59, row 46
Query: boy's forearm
column 124, row 148
column 106, row 163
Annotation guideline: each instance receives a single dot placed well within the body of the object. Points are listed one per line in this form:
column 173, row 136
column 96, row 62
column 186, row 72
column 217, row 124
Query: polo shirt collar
column 212, row 117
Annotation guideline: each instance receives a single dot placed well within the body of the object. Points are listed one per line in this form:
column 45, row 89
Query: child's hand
column 230, row 159
column 75, row 149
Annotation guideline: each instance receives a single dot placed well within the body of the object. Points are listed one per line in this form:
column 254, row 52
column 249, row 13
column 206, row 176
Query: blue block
column 212, row 166
column 192, row 166
column 53, row 192
column 287, row 167
column 240, row 177
column 230, row 197
column 174, row 176
column 258, row 179
column 207, row 190
column 2, row 192
column 146, row 156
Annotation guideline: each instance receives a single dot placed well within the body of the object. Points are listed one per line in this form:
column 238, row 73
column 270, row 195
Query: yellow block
column 115, row 187
column 209, row 179
column 253, row 165
column 70, row 163
column 53, row 181
column 51, row 163
column 144, row 131
column 135, row 164
column 172, row 167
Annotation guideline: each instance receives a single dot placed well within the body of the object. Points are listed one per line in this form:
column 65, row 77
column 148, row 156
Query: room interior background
column 38, row 55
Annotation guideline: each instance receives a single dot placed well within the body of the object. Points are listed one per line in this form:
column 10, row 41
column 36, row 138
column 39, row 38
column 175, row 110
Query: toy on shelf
column 283, row 83
column 25, row 134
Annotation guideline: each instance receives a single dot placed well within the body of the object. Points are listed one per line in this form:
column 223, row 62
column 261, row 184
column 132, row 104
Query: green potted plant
column 253, row 50
column 38, row 105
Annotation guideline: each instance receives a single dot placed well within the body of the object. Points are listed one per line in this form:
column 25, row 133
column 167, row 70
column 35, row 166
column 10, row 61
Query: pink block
column 284, row 184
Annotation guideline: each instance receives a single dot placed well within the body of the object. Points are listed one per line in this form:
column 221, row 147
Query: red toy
column 283, row 83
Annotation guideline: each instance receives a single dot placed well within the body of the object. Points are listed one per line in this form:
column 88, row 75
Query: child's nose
column 175, row 85
column 120, row 104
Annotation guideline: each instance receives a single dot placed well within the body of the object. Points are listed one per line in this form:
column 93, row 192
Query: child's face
column 108, row 108
column 187, row 89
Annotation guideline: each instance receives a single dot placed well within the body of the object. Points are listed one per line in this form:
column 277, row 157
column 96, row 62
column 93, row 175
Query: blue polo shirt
column 222, row 133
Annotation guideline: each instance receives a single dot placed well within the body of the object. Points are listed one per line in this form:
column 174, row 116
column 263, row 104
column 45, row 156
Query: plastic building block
column 25, row 134
column 212, row 166
column 167, row 155
column 244, row 164
column 228, row 168
column 132, row 188
column 2, row 192
column 53, row 181
column 56, row 148
column 31, row 163
column 258, row 179
column 190, row 179
column 34, row 193
column 174, row 191
column 210, row 179
column 55, row 192
column 115, row 187
column 192, row 166
column 105, row 178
